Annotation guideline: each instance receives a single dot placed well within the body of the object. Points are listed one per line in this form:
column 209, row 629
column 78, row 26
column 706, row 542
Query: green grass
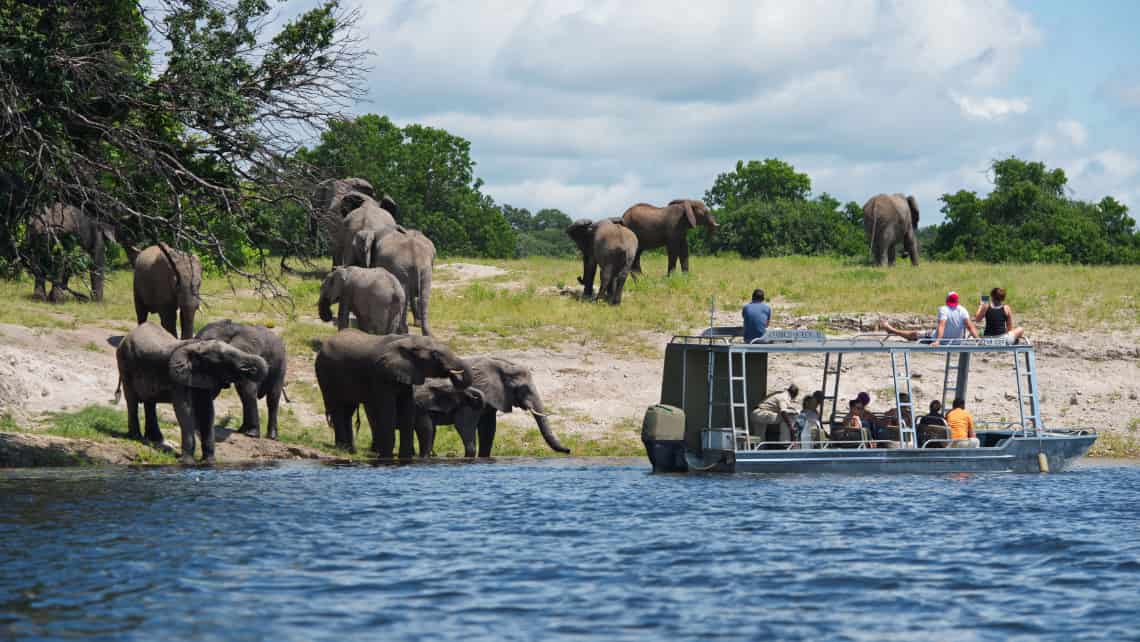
column 1116, row 444
column 100, row 423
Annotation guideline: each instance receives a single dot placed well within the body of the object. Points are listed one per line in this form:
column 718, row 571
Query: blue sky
column 592, row 106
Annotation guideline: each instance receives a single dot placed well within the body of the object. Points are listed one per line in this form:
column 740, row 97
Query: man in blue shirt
column 756, row 316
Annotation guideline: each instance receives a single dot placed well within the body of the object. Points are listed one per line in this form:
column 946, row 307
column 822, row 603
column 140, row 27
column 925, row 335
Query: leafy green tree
column 764, row 180
column 183, row 155
column 430, row 174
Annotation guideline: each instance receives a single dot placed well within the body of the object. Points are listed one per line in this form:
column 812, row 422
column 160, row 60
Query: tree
column 430, row 174
column 179, row 155
column 767, row 180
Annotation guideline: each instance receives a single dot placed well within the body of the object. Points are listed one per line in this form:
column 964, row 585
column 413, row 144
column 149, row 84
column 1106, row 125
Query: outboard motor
column 663, row 433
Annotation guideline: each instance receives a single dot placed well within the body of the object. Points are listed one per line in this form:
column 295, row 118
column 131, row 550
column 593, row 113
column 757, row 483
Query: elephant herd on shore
column 381, row 271
column 409, row 383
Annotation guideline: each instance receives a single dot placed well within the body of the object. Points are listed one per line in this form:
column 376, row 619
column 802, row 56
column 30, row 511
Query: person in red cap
column 953, row 323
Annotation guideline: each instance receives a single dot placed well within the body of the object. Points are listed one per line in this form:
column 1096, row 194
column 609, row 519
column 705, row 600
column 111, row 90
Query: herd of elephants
column 413, row 383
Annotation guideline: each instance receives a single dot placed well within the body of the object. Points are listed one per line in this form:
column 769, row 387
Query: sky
column 590, row 107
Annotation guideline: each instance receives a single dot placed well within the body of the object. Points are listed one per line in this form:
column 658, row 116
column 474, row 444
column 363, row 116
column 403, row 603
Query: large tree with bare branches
column 167, row 120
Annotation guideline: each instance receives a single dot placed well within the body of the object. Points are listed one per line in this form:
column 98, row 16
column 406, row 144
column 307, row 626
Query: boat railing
column 734, row 336
column 820, row 445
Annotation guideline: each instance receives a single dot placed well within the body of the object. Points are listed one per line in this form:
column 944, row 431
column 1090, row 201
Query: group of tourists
column 954, row 322
column 777, row 420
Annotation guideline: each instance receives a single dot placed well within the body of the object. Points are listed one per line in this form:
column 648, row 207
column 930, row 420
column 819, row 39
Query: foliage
column 1028, row 219
column 429, row 173
column 764, row 210
column 541, row 234
column 170, row 155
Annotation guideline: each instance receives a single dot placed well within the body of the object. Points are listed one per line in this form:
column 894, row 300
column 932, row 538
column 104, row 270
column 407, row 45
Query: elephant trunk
column 535, row 408
column 324, row 309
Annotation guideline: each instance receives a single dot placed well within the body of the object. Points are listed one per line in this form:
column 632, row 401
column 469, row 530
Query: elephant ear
column 361, row 185
column 438, row 396
column 187, row 366
column 910, row 200
column 495, row 380
column 351, row 201
column 397, row 363
column 389, row 203
column 688, row 207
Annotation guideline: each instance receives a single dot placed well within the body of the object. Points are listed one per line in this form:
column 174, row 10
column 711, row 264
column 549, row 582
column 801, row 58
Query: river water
column 566, row 549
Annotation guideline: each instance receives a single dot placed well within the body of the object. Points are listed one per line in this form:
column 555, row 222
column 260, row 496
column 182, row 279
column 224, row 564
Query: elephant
column 355, row 368
column 607, row 244
column 61, row 220
column 168, row 281
column 328, row 211
column 358, row 212
column 502, row 385
column 888, row 219
column 155, row 367
column 410, row 256
column 258, row 340
column 359, row 229
column 668, row 226
column 374, row 295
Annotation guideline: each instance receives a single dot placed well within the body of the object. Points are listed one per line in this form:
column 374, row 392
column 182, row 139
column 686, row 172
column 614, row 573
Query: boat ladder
column 737, row 400
column 833, row 394
column 950, row 383
column 904, row 409
column 1027, row 391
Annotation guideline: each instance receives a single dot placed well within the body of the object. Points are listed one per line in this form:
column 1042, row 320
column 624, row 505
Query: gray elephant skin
column 355, row 368
column 607, row 245
column 60, row 220
column 350, row 213
column 502, row 386
column 374, row 295
column 887, row 220
column 154, row 368
column 668, row 227
column 410, row 256
column 169, row 282
column 258, row 340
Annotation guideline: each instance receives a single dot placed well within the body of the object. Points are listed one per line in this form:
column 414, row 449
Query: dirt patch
column 454, row 275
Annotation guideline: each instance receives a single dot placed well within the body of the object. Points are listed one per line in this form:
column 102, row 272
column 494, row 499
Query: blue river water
column 568, row 549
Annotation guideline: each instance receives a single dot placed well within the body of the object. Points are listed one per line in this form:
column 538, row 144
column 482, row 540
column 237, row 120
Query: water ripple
column 565, row 549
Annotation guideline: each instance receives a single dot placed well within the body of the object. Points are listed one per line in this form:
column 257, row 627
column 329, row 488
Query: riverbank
column 597, row 367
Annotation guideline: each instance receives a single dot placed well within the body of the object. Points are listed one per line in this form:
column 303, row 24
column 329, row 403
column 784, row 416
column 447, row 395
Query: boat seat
column 939, row 432
column 848, row 436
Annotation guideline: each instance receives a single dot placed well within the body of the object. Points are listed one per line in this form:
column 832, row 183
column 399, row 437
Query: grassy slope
column 524, row 307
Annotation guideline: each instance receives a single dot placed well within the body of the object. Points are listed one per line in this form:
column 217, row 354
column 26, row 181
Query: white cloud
column 1074, row 131
column 990, row 107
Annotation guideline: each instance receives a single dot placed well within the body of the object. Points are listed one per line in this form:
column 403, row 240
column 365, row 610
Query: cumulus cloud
column 593, row 106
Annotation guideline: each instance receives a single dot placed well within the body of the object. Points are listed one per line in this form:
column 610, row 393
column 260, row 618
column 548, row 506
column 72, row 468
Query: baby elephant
column 254, row 339
column 154, row 367
column 374, row 295
column 609, row 245
column 502, row 385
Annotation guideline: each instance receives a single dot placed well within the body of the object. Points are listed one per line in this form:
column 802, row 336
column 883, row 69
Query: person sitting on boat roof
column 808, row 425
column 756, row 316
column 953, row 323
column 775, row 410
column 999, row 318
column 961, row 422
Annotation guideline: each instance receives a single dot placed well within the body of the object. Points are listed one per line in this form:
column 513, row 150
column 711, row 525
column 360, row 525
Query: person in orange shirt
column 961, row 426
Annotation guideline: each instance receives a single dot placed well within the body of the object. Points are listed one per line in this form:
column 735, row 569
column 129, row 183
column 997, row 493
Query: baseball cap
column 952, row 299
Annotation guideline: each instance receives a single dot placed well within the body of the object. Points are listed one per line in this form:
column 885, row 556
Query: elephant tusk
column 540, row 414
column 456, row 372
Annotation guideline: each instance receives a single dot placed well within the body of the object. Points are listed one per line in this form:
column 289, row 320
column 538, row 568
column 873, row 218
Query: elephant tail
column 286, row 395
column 119, row 390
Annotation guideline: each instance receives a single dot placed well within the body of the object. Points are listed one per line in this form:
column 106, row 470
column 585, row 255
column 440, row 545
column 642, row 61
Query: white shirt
column 955, row 318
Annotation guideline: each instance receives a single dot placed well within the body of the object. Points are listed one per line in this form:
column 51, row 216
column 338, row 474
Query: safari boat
column 710, row 383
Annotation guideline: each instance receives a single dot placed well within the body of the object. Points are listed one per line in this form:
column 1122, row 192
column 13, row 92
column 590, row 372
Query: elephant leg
column 619, row 286
column 683, row 254
column 637, row 262
column 153, row 434
column 406, row 420
column 272, row 402
column 204, row 417
column 250, row 422
column 605, row 285
column 589, row 268
column 422, row 303
column 133, row 430
column 183, row 409
column 340, row 415
column 58, row 288
column 487, row 424
column 169, row 317
column 672, row 261
column 425, row 433
column 381, row 420
column 912, row 247
column 891, row 255
column 187, row 317
column 39, row 291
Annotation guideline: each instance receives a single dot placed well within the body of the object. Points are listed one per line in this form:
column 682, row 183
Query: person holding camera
column 999, row 317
